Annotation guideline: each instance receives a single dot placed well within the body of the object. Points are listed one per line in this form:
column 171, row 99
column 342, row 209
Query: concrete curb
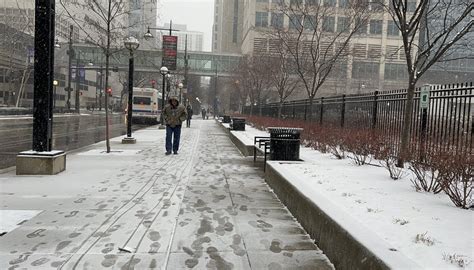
column 246, row 150
column 341, row 247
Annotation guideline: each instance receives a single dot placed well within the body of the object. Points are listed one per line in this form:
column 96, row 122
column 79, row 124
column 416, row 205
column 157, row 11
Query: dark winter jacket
column 174, row 116
column 189, row 111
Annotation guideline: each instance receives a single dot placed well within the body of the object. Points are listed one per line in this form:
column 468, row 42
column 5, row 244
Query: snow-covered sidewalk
column 135, row 208
column 424, row 227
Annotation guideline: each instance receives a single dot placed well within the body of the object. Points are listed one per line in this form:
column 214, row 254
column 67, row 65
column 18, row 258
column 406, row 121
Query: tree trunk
column 106, row 105
column 280, row 107
column 309, row 111
column 407, row 117
column 251, row 109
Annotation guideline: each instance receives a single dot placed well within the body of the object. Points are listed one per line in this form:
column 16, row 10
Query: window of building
column 375, row 27
column 329, row 3
column 343, row 3
column 310, row 23
column 361, row 27
column 328, row 24
column 411, row 6
column 365, row 70
column 277, row 20
column 296, row 22
column 377, row 5
column 395, row 71
column 296, row 2
column 392, row 29
column 261, row 19
column 236, row 21
column 343, row 24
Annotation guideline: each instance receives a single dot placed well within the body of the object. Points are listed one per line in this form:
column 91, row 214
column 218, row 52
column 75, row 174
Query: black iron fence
column 446, row 124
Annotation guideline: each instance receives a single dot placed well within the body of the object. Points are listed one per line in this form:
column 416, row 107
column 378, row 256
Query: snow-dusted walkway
column 206, row 208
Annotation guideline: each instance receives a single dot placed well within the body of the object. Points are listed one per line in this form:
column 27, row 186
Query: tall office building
column 143, row 15
column 376, row 60
column 227, row 27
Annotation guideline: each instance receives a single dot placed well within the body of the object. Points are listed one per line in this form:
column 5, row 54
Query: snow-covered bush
column 456, row 173
column 426, row 175
column 361, row 143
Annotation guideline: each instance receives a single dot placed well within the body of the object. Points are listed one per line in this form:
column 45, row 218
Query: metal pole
column 70, row 53
column 162, row 100
column 43, row 75
column 130, row 95
column 78, row 83
column 100, row 88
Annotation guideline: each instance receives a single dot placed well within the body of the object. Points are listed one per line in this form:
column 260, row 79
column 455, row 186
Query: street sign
column 425, row 96
column 170, row 52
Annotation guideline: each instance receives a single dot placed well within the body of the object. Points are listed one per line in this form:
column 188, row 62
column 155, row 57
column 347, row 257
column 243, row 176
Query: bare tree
column 255, row 78
column 16, row 41
column 432, row 31
column 314, row 42
column 281, row 76
column 104, row 25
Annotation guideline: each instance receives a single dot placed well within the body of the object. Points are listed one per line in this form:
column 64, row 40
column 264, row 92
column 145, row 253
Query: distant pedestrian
column 174, row 115
column 189, row 111
column 203, row 112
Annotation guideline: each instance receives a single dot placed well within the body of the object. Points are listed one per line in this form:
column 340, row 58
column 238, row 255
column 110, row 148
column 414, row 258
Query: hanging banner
column 170, row 52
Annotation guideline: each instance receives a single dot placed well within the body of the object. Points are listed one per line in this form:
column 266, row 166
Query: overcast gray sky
column 197, row 14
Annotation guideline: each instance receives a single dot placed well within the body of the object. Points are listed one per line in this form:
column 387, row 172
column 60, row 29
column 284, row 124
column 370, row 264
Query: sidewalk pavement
column 135, row 208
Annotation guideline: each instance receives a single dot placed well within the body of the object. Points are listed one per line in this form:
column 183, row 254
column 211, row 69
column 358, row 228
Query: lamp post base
column 40, row 163
column 129, row 140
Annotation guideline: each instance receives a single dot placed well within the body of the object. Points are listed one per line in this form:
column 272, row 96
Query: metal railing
column 448, row 126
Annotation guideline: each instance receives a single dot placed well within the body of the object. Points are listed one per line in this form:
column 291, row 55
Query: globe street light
column 131, row 44
column 180, row 86
column 55, row 84
column 164, row 71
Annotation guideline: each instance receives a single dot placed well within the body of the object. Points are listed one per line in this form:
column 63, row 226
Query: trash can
column 226, row 119
column 284, row 143
column 238, row 124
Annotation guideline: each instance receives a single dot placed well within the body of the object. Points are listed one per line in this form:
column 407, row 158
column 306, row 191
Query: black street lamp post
column 131, row 44
column 70, row 53
column 163, row 71
column 42, row 160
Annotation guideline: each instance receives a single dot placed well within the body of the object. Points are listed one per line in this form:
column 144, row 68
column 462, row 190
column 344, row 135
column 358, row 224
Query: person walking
column 174, row 114
column 203, row 112
column 189, row 111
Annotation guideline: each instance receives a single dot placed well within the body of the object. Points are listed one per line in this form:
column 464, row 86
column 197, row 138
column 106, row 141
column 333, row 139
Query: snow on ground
column 10, row 219
column 114, row 152
column 424, row 227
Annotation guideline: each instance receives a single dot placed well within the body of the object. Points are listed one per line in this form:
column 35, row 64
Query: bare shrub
column 426, row 176
column 386, row 154
column 361, row 143
column 456, row 259
column 456, row 171
column 425, row 239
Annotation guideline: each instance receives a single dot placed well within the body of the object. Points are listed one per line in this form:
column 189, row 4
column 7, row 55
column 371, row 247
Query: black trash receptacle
column 284, row 143
column 238, row 124
column 226, row 119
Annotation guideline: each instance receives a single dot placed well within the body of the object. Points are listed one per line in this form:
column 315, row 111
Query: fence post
column 322, row 111
column 343, row 109
column 375, row 109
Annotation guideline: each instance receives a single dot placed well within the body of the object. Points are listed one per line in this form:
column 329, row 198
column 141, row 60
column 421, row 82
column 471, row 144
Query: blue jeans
column 174, row 132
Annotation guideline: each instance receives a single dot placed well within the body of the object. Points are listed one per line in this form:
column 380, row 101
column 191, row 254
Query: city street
column 135, row 208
